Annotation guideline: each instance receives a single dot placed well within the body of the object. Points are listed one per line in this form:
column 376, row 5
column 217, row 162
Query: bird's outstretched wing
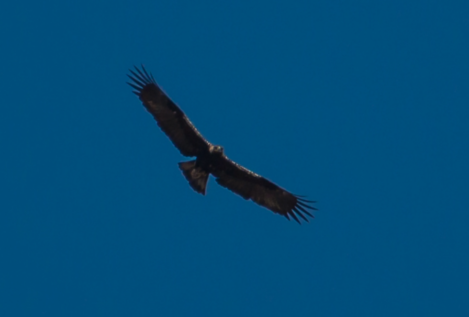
column 249, row 185
column 167, row 114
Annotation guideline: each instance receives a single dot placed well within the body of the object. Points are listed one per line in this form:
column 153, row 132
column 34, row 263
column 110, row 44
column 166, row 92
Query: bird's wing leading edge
column 170, row 118
column 249, row 185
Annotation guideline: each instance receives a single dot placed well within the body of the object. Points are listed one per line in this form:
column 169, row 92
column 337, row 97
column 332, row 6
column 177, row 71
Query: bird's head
column 216, row 149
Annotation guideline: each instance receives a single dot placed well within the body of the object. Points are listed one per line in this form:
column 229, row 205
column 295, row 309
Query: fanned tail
column 196, row 176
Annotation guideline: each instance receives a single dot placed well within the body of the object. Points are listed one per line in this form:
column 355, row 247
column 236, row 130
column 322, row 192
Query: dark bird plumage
column 210, row 159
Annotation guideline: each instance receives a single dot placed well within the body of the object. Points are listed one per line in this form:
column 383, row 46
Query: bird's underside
column 211, row 159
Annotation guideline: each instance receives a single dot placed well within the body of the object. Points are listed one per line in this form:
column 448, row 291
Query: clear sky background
column 360, row 105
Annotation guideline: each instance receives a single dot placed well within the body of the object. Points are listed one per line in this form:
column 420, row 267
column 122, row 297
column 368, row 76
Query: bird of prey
column 210, row 159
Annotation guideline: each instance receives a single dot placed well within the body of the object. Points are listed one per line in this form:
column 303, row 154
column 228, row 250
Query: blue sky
column 362, row 106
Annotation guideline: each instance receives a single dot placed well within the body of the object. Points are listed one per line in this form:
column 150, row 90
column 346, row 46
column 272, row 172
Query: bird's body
column 210, row 159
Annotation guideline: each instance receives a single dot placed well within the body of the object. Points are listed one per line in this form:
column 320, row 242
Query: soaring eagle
column 210, row 159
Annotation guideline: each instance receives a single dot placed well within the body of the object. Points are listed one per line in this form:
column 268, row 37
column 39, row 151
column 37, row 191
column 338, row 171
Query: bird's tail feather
column 196, row 176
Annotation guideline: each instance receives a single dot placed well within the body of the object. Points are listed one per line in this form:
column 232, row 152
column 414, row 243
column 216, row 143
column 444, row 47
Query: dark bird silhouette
column 210, row 159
